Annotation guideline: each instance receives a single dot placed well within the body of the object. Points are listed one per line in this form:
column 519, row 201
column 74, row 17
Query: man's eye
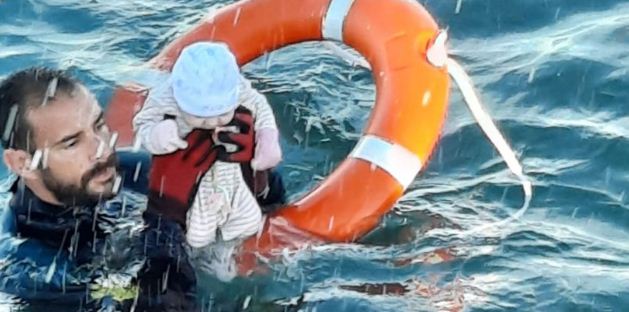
column 102, row 126
column 71, row 143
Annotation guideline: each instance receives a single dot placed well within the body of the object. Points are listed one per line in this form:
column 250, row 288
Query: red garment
column 174, row 178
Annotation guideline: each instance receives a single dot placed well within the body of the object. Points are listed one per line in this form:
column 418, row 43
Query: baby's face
column 208, row 122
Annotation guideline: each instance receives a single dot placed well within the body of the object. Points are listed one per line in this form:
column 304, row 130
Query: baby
column 204, row 90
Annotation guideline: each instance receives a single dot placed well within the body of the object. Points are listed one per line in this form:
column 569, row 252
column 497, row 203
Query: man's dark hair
column 23, row 91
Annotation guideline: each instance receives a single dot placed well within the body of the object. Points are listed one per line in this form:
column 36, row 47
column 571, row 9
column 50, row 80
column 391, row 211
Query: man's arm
column 167, row 282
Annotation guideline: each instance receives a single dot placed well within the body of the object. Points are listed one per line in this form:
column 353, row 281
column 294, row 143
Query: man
column 68, row 236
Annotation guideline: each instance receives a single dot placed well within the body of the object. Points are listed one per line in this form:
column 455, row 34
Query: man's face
column 79, row 164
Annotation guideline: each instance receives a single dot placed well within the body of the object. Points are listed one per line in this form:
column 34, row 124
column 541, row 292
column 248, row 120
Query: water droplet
column 165, row 279
column 245, row 305
column 36, row 160
column 113, row 140
column 101, row 149
column 268, row 61
column 426, row 98
column 50, row 91
column 136, row 174
column 135, row 300
column 161, row 186
column 532, row 74
column 237, row 17
column 28, row 140
column 30, row 207
column 45, row 158
column 117, row 183
column 124, row 208
column 608, row 175
column 51, row 270
column 137, row 144
column 63, row 278
column 8, row 130
column 457, row 10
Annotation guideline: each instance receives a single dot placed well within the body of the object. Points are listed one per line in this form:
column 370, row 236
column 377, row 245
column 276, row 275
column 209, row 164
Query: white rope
column 491, row 131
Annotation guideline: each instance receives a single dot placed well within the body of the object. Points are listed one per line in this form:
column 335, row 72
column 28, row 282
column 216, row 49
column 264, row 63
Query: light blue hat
column 205, row 79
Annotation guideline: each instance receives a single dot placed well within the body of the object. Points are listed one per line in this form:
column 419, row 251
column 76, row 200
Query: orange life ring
column 411, row 101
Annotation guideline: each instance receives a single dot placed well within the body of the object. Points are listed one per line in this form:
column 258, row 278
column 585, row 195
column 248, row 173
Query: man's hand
column 174, row 178
column 243, row 138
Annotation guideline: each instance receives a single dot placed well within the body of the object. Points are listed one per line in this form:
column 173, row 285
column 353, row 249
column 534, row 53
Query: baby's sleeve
column 159, row 102
column 258, row 104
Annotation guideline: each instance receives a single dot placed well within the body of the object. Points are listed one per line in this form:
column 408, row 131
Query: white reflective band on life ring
column 395, row 159
column 334, row 19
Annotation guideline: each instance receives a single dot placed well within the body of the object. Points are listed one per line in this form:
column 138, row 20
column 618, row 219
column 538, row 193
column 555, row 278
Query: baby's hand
column 268, row 153
column 165, row 138
column 229, row 147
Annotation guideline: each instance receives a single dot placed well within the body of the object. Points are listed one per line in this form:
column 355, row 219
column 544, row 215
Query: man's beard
column 79, row 195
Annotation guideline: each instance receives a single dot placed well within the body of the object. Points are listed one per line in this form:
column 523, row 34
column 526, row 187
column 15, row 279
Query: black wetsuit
column 108, row 257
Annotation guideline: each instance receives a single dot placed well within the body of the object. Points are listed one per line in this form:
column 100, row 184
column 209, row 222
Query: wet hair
column 23, row 91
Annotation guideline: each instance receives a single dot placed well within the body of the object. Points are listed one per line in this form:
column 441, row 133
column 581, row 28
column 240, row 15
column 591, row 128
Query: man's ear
column 19, row 162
